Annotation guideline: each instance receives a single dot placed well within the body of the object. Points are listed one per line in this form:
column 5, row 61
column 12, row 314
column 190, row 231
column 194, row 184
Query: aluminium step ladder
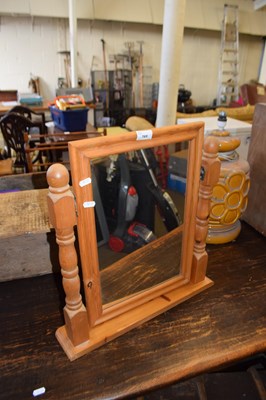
column 228, row 78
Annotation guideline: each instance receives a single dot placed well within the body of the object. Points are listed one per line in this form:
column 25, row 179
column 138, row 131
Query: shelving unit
column 113, row 98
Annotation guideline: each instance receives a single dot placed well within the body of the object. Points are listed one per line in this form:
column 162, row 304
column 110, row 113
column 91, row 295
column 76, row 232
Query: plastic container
column 30, row 99
column 70, row 120
column 70, row 102
column 177, row 183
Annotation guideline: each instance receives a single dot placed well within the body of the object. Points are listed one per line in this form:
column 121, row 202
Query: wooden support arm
column 62, row 216
column 210, row 175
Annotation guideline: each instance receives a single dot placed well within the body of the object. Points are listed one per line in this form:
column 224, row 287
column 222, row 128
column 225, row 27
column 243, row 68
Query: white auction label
column 144, row 135
column 38, row 392
column 85, row 182
column 89, row 204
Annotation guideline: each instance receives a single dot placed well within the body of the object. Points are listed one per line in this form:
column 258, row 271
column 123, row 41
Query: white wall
column 200, row 14
column 199, row 64
column 30, row 45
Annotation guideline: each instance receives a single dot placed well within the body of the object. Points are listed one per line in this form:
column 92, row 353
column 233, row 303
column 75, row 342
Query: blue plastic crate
column 70, row 120
column 177, row 183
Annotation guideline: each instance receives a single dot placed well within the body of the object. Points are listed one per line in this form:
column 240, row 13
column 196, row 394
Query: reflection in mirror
column 139, row 203
column 161, row 262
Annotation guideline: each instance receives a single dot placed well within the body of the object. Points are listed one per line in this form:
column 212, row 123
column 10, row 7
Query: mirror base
column 107, row 331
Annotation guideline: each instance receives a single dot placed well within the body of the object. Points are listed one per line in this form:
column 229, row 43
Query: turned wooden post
column 27, row 151
column 210, row 175
column 62, row 216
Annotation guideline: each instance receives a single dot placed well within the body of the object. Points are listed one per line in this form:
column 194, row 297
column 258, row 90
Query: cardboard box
column 237, row 128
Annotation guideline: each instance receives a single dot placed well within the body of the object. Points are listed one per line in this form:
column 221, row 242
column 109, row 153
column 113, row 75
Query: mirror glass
column 139, row 211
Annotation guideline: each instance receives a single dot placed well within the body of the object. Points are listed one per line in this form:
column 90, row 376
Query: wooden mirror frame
column 88, row 327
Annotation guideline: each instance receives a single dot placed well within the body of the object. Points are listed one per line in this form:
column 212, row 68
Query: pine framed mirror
column 153, row 278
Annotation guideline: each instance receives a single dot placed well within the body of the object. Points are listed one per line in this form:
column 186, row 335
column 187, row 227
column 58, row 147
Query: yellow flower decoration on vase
column 229, row 199
column 230, row 195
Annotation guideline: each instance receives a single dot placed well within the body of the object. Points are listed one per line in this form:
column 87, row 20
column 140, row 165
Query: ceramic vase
column 230, row 194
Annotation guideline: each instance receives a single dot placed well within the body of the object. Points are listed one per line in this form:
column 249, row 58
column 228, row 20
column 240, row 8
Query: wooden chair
column 54, row 144
column 13, row 127
column 36, row 117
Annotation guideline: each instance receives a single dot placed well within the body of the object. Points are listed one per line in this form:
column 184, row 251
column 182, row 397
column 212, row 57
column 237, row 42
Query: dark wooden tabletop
column 218, row 327
column 44, row 106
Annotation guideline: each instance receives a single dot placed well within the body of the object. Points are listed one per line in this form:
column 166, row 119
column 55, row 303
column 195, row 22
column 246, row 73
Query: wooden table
column 44, row 106
column 38, row 108
column 222, row 325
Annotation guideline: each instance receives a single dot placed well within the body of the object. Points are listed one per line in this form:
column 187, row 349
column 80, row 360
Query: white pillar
column 73, row 41
column 262, row 69
column 172, row 39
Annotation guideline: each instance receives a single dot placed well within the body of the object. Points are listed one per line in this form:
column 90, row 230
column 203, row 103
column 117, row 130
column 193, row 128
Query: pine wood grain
column 217, row 327
column 142, row 269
